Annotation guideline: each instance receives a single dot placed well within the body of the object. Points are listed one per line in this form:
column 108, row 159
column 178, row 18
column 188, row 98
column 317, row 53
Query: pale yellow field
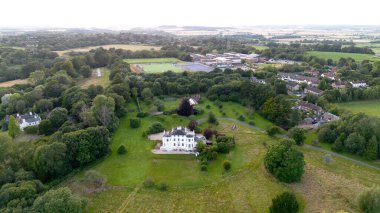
column 131, row 47
column 12, row 83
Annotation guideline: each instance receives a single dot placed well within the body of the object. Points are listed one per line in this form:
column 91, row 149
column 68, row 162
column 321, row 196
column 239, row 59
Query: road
column 305, row 145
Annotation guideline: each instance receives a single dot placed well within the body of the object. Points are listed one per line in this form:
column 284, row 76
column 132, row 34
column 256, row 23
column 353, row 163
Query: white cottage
column 28, row 119
column 181, row 139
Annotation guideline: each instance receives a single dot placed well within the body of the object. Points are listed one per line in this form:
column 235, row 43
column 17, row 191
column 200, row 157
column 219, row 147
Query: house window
column 173, row 144
column 182, row 144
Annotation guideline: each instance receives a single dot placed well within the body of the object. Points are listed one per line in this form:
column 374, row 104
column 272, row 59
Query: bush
column 148, row 183
column 32, row 130
column 241, row 118
column 121, row 150
column 369, row 201
column 251, row 123
column 284, row 203
column 155, row 128
column 135, row 122
column 226, row 165
column 285, row 162
column 208, row 106
column 273, row 130
column 162, row 187
column 298, row 135
column 203, row 168
column 211, row 118
column 142, row 114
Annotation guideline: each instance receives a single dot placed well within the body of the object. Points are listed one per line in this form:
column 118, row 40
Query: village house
column 309, row 107
column 28, row 119
column 181, row 139
column 299, row 79
column 313, row 90
column 292, row 86
column 338, row 85
column 330, row 117
column 313, row 73
column 358, row 84
column 256, row 80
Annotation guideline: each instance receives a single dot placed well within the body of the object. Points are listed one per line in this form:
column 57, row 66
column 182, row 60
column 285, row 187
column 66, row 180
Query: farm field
column 12, row 83
column 246, row 188
column 368, row 107
column 336, row 56
column 103, row 80
column 131, row 47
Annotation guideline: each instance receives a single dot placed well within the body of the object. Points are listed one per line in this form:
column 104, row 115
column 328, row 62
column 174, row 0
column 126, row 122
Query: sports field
column 131, row 47
column 160, row 67
column 368, row 107
column 151, row 60
column 337, row 55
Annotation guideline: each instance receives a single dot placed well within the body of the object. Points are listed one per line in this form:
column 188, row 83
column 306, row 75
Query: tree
column 13, row 128
column 135, row 122
column 50, row 161
column 355, row 143
column 45, row 128
column 103, row 108
column 285, row 162
column 273, row 130
column 85, row 71
column 156, row 128
column 372, row 149
column 278, row 110
column 284, row 203
column 211, row 118
column 121, row 150
column 327, row 134
column 36, row 77
column 185, row 108
column 57, row 117
column 280, row 87
column 59, row 200
column 227, row 165
column 369, row 201
column 208, row 133
column 298, row 135
column 192, row 125
column 147, row 94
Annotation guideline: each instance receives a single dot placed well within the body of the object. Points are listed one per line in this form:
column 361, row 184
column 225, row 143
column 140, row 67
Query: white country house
column 28, row 119
column 181, row 139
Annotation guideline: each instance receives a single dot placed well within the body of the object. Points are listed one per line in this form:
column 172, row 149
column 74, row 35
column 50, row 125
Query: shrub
column 121, row 150
column 298, row 135
column 142, row 114
column 251, row 123
column 211, row 118
column 208, row 106
column 155, row 128
column 148, row 183
column 241, row 118
column 135, row 122
column 327, row 159
column 284, row 203
column 208, row 133
column 203, row 168
column 285, row 162
column 226, row 165
column 273, row 130
column 162, row 187
column 31, row 130
column 369, row 201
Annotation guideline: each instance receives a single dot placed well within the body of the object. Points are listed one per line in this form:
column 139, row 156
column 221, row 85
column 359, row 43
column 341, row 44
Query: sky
column 150, row 13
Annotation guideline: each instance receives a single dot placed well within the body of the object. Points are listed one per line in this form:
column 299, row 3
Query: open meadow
column 368, row 107
column 337, row 55
column 246, row 188
column 95, row 79
column 131, row 47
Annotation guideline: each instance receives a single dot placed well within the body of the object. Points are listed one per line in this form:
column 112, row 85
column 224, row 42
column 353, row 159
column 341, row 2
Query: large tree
column 13, row 128
column 284, row 161
column 185, row 108
column 103, row 108
column 59, row 200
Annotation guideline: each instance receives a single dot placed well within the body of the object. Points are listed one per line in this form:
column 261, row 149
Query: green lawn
column 151, row 60
column 368, row 107
column 336, row 56
column 103, row 80
column 160, row 67
column 260, row 47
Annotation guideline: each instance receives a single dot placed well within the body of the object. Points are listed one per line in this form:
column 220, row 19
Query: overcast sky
column 148, row 13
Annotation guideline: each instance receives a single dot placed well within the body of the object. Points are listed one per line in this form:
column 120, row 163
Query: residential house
column 299, row 79
column 28, row 119
column 330, row 117
column 181, row 139
column 338, row 85
column 313, row 73
column 358, row 84
column 256, row 80
column 313, row 90
column 310, row 107
column 292, row 86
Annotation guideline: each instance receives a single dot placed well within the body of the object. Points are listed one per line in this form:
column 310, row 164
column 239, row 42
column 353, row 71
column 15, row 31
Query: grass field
column 151, row 60
column 160, row 67
column 336, row 56
column 14, row 82
column 247, row 188
column 131, row 47
column 95, row 80
column 260, row 47
column 368, row 107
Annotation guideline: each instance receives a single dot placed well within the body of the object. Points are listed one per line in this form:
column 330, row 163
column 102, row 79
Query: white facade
column 358, row 84
column 29, row 119
column 181, row 139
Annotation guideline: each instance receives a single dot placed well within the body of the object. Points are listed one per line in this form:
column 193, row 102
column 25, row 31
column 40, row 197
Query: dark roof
column 314, row 89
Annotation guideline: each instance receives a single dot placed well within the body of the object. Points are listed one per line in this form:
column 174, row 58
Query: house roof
column 314, row 89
